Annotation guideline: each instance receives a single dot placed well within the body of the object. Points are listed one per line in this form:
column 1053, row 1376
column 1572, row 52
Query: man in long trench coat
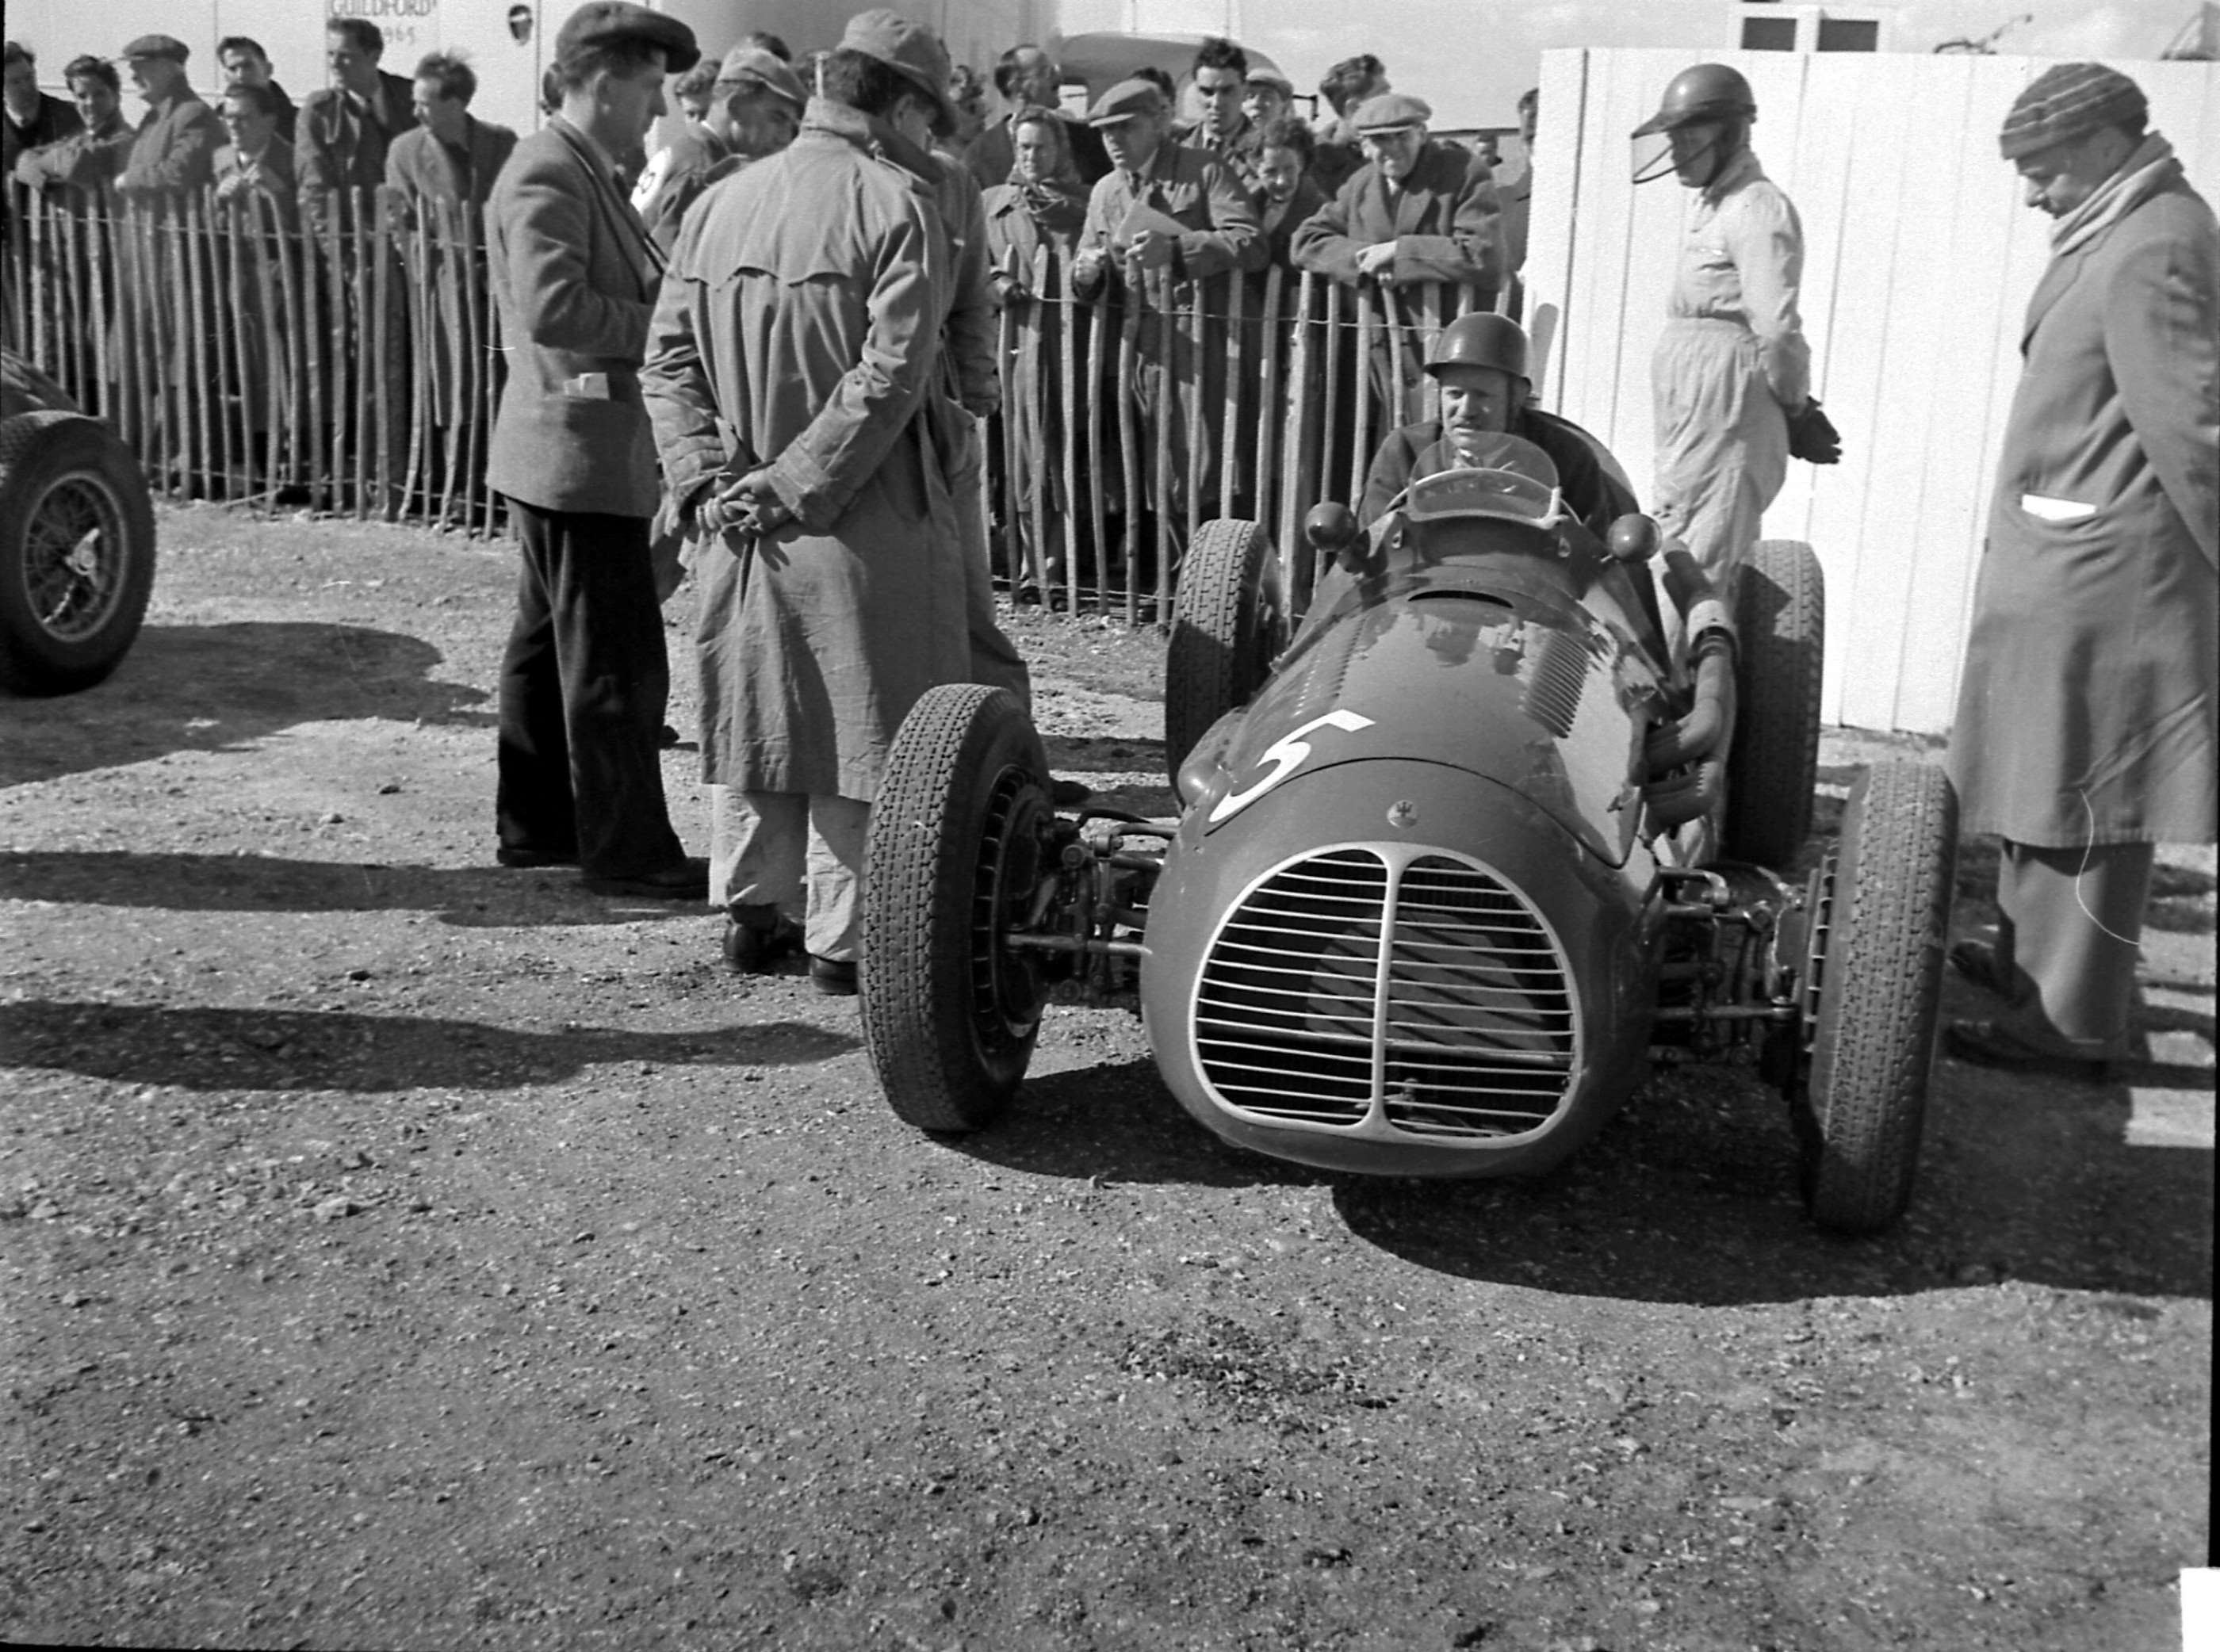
column 2086, row 726
column 792, row 347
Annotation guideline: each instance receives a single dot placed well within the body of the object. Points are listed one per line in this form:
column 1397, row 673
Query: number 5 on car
column 1285, row 755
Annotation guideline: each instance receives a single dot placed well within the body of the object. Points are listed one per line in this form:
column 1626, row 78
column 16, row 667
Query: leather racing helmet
column 1710, row 91
column 1481, row 338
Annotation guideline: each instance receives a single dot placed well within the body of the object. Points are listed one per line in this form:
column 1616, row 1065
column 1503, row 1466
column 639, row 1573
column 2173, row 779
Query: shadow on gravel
column 1117, row 1123
column 1690, row 1196
column 472, row 897
column 226, row 1049
column 210, row 688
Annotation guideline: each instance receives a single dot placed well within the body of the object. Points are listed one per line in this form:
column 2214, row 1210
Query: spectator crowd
column 767, row 348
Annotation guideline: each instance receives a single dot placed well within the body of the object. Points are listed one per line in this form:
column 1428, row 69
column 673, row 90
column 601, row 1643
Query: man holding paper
column 2086, row 727
column 1164, row 214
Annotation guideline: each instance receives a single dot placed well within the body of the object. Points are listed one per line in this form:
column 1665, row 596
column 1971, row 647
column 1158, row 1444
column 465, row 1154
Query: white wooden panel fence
column 1919, row 258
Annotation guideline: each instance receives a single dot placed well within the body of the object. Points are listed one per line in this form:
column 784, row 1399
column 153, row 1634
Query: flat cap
column 913, row 50
column 610, row 22
column 752, row 66
column 1393, row 112
column 2066, row 101
column 1125, row 100
column 155, row 46
column 1272, row 77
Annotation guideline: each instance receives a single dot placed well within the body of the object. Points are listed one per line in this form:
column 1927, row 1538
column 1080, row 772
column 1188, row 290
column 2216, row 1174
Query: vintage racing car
column 77, row 538
column 1453, row 863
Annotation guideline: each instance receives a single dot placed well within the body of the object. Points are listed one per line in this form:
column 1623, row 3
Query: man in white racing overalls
column 1732, row 374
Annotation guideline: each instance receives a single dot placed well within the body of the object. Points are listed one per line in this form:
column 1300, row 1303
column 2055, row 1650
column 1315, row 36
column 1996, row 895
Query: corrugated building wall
column 1920, row 259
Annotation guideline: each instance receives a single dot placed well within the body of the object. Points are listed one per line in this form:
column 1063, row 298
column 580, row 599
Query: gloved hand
column 1813, row 436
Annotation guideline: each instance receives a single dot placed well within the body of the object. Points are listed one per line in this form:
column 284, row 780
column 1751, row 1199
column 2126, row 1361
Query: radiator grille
column 1470, row 1029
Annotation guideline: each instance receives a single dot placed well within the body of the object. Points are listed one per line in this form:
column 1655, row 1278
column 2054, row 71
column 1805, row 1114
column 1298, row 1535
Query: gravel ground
column 402, row 1252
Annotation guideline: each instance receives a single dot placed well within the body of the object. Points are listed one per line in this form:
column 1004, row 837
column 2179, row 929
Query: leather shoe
column 685, row 880
column 1977, row 962
column 835, row 977
column 524, row 859
column 757, row 938
column 1994, row 1044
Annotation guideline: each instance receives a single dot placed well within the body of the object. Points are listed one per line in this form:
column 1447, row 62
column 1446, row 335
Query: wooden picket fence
column 353, row 368
column 1129, row 419
column 350, row 368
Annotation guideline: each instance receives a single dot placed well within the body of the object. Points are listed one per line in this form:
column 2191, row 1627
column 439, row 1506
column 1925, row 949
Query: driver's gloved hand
column 1813, row 437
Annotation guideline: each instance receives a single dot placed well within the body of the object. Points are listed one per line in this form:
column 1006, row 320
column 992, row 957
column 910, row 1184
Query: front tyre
column 951, row 859
column 76, row 552
column 1873, row 982
column 1229, row 624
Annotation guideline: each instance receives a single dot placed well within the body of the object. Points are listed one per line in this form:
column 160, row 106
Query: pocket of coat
column 2045, row 508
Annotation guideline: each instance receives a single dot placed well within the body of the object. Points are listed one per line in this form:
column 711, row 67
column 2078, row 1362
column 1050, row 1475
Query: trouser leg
column 1722, row 444
column 2070, row 925
column 837, row 830
column 532, row 807
column 994, row 659
column 616, row 678
column 758, row 849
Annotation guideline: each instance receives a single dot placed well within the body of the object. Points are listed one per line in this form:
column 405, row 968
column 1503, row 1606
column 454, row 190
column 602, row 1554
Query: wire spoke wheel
column 73, row 560
column 76, row 552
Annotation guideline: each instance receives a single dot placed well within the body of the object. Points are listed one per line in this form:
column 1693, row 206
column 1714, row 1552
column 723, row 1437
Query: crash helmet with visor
column 1702, row 123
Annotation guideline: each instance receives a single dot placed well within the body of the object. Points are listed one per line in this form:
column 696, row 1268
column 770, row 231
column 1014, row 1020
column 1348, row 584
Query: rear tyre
column 76, row 552
column 952, row 857
column 1229, row 624
column 1781, row 613
column 1873, row 980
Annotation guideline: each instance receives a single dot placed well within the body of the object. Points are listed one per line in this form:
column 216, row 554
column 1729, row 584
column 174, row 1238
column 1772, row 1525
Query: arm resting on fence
column 175, row 151
column 1233, row 241
column 1472, row 251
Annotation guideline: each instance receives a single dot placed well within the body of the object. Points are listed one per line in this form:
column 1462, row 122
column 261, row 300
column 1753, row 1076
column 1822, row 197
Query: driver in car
column 1480, row 360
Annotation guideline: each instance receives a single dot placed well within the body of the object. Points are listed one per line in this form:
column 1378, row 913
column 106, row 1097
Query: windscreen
column 1510, row 480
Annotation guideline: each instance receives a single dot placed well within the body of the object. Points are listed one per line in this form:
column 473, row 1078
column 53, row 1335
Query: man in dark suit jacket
column 575, row 277
column 344, row 131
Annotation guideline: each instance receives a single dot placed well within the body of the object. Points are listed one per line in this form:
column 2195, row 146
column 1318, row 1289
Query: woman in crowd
column 1042, row 205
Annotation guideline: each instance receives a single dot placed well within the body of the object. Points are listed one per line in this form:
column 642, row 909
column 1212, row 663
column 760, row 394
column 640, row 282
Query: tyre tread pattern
column 1781, row 613
column 1224, row 625
column 915, row 975
column 1864, row 1109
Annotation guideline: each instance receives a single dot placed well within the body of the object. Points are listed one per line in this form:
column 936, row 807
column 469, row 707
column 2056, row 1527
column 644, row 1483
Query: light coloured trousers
column 1722, row 440
column 800, row 853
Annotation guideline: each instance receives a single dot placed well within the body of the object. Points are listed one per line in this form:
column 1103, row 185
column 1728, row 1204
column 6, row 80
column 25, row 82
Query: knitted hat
column 2067, row 100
